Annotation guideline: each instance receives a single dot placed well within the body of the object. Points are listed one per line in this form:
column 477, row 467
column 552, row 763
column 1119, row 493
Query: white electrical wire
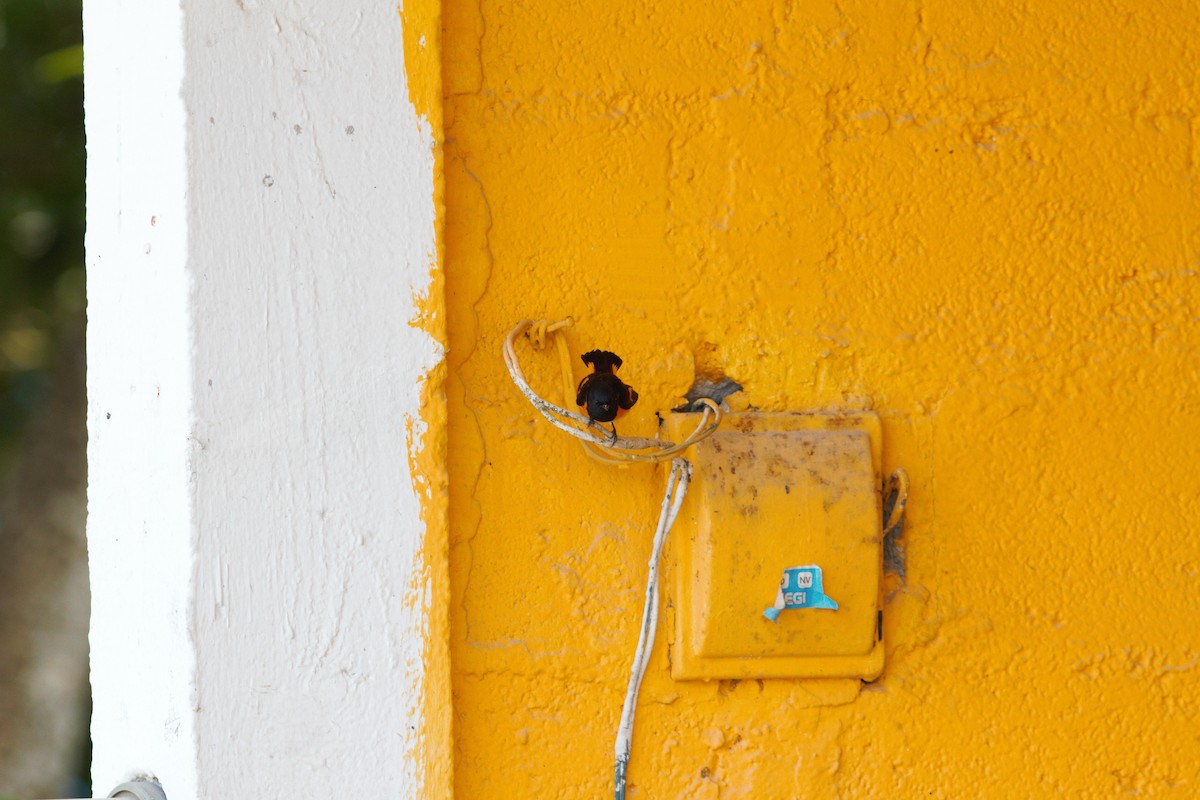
column 617, row 450
column 607, row 449
column 677, row 483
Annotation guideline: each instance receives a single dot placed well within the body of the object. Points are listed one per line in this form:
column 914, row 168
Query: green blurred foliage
column 41, row 197
column 41, row 211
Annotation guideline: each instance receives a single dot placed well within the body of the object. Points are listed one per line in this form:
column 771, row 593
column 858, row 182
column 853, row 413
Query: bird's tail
column 602, row 360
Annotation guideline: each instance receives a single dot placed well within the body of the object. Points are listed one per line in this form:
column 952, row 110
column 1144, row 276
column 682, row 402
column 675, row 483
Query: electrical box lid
column 771, row 493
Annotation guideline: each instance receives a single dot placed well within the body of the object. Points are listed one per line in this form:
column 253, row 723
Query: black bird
column 602, row 394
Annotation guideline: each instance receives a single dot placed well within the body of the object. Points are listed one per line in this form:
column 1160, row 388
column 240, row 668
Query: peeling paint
column 421, row 24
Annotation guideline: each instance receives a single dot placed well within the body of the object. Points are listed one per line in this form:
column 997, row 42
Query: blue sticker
column 800, row 587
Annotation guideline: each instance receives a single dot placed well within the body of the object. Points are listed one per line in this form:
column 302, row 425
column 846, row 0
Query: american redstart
column 602, row 394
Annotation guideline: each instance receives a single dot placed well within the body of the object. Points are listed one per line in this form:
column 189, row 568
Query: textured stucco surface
column 261, row 231
column 981, row 221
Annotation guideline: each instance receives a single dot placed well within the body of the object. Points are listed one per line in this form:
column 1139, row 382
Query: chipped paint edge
column 421, row 23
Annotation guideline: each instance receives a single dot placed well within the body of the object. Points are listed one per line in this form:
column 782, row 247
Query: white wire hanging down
column 677, row 483
column 617, row 451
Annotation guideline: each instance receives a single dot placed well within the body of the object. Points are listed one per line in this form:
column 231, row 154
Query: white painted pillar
column 260, row 222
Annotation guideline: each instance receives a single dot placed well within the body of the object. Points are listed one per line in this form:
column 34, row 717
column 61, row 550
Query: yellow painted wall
column 981, row 220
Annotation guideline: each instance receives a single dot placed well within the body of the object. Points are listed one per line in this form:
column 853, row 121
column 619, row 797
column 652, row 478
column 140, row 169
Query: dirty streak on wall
column 981, row 221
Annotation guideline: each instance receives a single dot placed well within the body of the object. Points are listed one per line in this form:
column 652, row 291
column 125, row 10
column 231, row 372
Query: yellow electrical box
column 778, row 549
